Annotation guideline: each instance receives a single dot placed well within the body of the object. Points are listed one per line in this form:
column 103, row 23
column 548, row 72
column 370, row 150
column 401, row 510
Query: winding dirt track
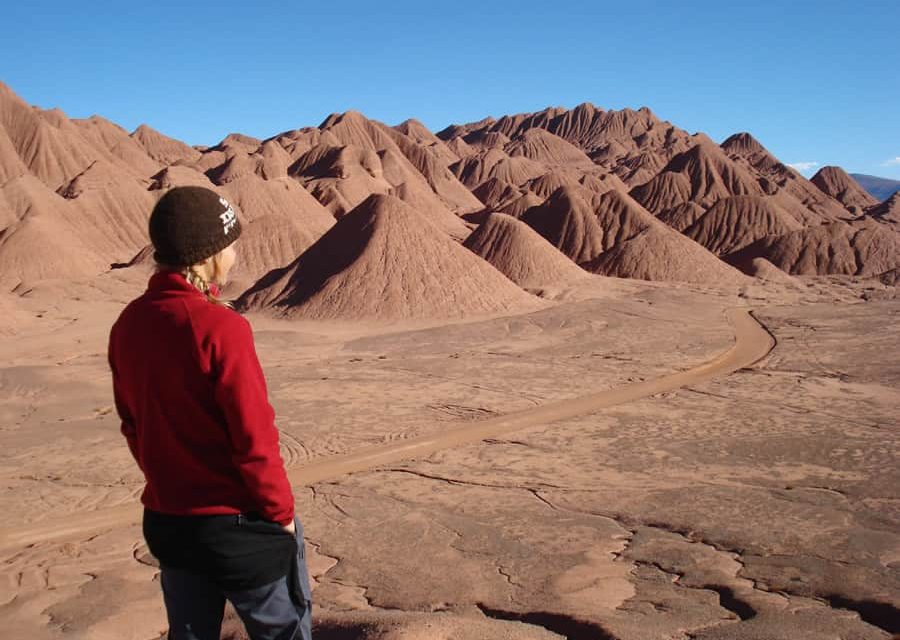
column 752, row 342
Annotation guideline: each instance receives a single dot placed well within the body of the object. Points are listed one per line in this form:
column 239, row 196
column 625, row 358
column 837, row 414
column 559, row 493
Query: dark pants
column 280, row 610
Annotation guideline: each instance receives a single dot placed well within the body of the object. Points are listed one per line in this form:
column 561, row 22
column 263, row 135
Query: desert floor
column 758, row 504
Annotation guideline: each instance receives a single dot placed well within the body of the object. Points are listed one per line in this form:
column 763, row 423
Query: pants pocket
column 298, row 576
column 257, row 524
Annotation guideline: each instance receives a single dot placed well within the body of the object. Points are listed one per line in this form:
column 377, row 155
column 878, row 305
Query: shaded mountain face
column 520, row 253
column 792, row 193
column 836, row 183
column 623, row 193
column 733, row 223
column 568, row 222
column 162, row 148
column 638, row 245
column 87, row 187
column 702, row 175
column 858, row 248
column 633, row 145
column 880, row 188
column 887, row 211
column 385, row 260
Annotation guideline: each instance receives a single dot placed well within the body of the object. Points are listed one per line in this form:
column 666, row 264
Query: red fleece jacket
column 192, row 398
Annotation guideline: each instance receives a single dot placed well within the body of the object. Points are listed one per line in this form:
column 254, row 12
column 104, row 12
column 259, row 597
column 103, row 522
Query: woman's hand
column 290, row 528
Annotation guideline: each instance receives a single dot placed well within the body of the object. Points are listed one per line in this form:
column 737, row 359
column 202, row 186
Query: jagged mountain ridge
column 85, row 186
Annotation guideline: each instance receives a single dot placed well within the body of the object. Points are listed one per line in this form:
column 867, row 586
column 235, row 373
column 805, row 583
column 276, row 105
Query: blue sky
column 816, row 82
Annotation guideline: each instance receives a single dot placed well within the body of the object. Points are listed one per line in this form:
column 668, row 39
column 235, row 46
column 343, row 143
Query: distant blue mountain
column 881, row 188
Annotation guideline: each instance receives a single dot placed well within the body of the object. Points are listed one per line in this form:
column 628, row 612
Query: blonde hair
column 193, row 276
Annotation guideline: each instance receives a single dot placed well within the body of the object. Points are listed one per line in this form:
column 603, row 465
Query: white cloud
column 804, row 166
column 893, row 162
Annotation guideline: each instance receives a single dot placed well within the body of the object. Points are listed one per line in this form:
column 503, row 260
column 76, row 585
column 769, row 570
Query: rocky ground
column 762, row 504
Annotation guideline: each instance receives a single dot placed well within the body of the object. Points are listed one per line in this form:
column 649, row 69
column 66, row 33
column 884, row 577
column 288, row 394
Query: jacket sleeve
column 240, row 391
column 127, row 426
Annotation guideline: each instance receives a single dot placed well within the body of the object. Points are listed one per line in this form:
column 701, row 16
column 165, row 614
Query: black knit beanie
column 190, row 224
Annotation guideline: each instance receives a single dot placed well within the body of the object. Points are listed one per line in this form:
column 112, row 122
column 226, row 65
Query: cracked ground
column 760, row 505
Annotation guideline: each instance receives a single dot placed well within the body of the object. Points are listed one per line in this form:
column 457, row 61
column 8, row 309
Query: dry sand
column 575, row 471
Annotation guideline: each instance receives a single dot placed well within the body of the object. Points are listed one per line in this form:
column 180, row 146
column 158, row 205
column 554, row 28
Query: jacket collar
column 173, row 280
column 170, row 280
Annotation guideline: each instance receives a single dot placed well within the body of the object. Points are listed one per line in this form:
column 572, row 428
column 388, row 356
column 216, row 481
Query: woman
column 218, row 507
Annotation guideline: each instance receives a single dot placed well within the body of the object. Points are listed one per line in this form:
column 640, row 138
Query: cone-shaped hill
column 887, row 211
column 621, row 218
column 384, row 260
column 543, row 146
column 162, row 148
column 520, row 205
column 520, row 252
column 496, row 193
column 568, row 222
column 495, row 163
column 762, row 269
column 42, row 241
column 397, row 158
column 637, row 245
column 46, row 142
column 281, row 220
column 115, row 146
column 601, row 183
column 178, row 176
column 419, row 134
column 796, row 195
column 703, row 175
column 835, row 182
column 744, row 145
column 545, row 185
column 733, row 223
